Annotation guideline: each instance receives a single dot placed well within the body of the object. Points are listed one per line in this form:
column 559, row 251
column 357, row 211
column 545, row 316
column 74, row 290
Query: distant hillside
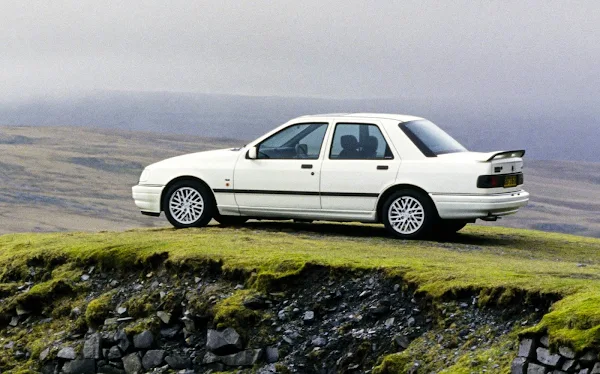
column 65, row 178
column 554, row 130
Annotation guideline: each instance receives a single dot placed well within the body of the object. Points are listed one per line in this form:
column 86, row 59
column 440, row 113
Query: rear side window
column 357, row 141
column 430, row 139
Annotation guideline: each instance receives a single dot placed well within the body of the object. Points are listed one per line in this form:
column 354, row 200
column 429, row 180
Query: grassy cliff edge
column 501, row 266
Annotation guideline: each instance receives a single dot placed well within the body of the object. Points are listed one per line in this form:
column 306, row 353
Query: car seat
column 349, row 147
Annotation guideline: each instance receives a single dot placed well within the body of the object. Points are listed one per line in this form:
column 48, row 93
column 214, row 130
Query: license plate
column 510, row 181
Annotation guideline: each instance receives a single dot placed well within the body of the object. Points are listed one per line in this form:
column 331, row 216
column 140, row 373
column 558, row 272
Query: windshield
column 430, row 139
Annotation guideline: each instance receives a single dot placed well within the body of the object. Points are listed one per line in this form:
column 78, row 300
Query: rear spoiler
column 506, row 154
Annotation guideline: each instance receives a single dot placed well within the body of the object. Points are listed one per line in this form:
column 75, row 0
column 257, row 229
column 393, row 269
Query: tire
column 230, row 220
column 416, row 223
column 188, row 204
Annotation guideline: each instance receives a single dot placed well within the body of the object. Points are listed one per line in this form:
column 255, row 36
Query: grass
column 501, row 265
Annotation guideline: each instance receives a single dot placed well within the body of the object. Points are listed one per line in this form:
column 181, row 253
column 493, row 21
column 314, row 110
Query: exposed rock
column 401, row 342
column 122, row 341
column 245, row 358
column 92, row 348
column 68, row 353
column 210, row 358
column 309, row 316
column 271, row 355
column 519, row 366
column 545, row 341
column 569, row 365
column 596, row 368
column 170, row 332
column 411, row 322
column 44, row 354
column 223, row 342
column 114, row 353
column 566, row 352
column 255, row 303
column 143, row 340
column 164, row 316
column 132, row 364
column 589, row 357
column 178, row 362
column 545, row 357
column 189, row 323
column 153, row 358
column 108, row 369
column 85, row 366
column 319, row 342
column 536, row 369
column 527, row 348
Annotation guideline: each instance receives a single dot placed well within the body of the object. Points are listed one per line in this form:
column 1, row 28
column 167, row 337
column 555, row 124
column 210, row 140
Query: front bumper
column 478, row 206
column 147, row 198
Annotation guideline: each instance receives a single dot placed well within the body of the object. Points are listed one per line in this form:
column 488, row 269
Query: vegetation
column 502, row 266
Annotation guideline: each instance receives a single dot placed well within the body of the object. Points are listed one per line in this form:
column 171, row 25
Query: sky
column 330, row 49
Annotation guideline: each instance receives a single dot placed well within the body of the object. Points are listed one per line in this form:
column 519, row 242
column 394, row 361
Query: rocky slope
column 320, row 321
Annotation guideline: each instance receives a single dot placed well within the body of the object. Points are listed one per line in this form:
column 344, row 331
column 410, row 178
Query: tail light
column 495, row 181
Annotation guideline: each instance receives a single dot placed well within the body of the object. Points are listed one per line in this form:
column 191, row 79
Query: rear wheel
column 188, row 204
column 409, row 214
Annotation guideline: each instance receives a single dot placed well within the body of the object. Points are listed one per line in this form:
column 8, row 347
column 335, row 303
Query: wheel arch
column 182, row 178
column 390, row 190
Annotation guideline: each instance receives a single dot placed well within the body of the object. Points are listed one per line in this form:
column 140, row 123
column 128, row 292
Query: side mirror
column 253, row 153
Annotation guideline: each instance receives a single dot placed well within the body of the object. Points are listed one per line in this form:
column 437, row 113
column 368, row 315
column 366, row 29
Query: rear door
column 358, row 165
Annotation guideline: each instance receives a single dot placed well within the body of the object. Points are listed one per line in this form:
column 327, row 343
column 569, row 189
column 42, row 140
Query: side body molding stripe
column 305, row 193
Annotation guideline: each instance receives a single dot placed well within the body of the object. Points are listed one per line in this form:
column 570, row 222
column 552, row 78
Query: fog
column 339, row 49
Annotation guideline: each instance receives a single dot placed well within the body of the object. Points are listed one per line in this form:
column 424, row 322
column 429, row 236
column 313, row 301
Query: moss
column 231, row 312
column 393, row 364
column 142, row 306
column 150, row 324
column 99, row 309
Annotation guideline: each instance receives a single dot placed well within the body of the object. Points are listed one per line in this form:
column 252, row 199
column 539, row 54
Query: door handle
column 306, row 166
column 382, row 167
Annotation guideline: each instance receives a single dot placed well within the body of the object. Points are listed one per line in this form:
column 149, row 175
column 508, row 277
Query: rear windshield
column 430, row 139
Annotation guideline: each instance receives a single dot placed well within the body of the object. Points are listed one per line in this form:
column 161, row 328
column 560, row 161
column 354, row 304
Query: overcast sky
column 345, row 49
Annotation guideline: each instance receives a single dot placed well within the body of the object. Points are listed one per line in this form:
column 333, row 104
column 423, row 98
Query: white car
column 399, row 170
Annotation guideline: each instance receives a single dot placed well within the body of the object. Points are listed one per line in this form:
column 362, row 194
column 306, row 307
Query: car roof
column 389, row 116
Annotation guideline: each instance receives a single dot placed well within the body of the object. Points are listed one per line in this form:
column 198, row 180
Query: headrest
column 349, row 142
column 371, row 143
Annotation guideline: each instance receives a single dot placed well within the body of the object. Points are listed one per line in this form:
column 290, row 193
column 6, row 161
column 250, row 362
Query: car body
column 401, row 170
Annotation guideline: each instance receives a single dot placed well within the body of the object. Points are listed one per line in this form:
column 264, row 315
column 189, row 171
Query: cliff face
column 321, row 320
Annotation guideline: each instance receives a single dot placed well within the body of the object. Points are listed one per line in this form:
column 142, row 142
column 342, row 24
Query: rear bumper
column 147, row 198
column 478, row 206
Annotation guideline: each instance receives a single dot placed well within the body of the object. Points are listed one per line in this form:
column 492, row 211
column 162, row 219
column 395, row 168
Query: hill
column 72, row 178
column 279, row 297
column 550, row 128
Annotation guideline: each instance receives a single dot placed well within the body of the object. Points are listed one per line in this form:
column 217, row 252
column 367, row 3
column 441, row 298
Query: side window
column 294, row 142
column 357, row 141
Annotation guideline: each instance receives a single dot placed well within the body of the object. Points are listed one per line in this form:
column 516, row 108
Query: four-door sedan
column 400, row 170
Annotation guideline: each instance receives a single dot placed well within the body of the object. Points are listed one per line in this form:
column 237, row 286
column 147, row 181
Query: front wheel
column 409, row 214
column 188, row 204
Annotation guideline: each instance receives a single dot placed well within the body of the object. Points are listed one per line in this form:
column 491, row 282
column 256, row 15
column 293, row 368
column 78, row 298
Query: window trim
column 387, row 143
column 285, row 128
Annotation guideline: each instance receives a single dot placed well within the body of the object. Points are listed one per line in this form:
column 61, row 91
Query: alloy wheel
column 186, row 205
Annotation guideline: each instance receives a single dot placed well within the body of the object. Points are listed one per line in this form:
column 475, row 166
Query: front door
column 358, row 165
column 285, row 175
